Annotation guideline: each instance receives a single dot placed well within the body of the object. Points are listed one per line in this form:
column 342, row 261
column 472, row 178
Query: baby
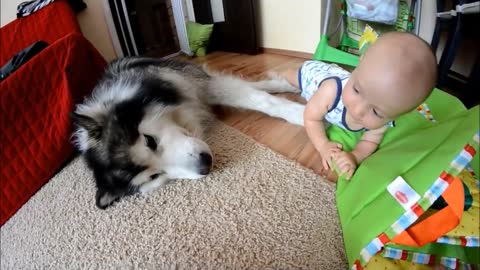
column 395, row 75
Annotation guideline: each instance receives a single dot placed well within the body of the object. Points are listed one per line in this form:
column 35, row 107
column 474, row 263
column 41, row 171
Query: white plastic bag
column 382, row 11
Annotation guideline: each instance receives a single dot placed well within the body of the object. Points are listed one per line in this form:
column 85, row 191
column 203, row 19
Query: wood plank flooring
column 289, row 140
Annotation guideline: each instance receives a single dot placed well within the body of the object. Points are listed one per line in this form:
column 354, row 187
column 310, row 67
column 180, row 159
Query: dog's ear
column 91, row 125
column 104, row 199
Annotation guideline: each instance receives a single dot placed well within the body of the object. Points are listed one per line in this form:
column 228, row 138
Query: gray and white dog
column 145, row 121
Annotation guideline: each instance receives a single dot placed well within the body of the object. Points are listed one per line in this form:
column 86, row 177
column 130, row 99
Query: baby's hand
column 346, row 163
column 329, row 150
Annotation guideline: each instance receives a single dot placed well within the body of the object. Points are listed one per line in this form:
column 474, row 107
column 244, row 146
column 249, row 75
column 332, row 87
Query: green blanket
column 417, row 150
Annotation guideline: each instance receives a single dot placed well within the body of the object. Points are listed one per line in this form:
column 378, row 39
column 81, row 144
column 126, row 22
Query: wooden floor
column 287, row 139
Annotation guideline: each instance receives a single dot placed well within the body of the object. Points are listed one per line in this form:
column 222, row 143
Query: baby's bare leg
column 291, row 75
column 279, row 82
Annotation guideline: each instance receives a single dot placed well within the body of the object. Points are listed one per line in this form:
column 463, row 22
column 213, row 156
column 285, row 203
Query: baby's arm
column 348, row 162
column 368, row 144
column 315, row 111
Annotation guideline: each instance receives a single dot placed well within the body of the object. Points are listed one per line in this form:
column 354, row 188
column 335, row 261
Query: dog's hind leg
column 234, row 92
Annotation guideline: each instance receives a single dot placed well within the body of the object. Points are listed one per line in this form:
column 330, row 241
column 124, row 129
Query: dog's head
column 130, row 142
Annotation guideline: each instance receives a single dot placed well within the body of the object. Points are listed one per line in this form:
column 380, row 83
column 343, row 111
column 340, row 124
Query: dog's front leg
column 153, row 184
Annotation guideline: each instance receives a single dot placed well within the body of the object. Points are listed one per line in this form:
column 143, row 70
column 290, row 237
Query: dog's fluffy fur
column 145, row 121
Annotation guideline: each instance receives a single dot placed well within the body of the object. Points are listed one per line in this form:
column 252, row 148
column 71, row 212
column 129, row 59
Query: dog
column 145, row 121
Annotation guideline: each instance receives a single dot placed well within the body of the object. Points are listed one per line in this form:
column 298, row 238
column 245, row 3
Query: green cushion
column 198, row 37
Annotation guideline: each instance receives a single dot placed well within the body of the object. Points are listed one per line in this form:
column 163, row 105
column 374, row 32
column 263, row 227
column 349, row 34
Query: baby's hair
column 430, row 49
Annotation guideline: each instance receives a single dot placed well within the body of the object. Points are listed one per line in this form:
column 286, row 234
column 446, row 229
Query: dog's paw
column 152, row 185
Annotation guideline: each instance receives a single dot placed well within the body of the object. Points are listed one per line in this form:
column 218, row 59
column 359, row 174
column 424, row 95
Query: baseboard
column 303, row 55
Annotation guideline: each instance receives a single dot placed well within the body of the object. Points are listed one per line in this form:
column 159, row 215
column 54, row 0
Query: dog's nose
column 205, row 163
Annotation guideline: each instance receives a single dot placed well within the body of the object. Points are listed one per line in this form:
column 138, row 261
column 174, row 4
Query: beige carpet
column 257, row 210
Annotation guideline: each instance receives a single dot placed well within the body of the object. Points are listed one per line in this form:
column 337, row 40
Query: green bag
column 375, row 207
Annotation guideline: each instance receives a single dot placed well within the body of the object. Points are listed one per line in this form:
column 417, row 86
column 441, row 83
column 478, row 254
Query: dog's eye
column 153, row 176
column 151, row 143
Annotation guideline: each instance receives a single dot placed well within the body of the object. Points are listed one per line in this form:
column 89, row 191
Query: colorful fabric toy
column 368, row 37
column 415, row 201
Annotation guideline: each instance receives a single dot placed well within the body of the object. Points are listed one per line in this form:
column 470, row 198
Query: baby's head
column 395, row 75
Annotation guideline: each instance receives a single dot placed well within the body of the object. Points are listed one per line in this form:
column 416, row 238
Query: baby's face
column 365, row 106
column 380, row 90
column 396, row 74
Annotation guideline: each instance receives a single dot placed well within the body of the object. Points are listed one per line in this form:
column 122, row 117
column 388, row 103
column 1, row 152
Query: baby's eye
column 355, row 90
column 377, row 114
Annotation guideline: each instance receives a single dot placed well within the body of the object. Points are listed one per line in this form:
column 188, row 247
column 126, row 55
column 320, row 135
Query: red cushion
column 35, row 128
column 49, row 24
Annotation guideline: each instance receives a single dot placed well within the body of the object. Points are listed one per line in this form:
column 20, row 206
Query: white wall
column 93, row 25
column 289, row 25
column 8, row 10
